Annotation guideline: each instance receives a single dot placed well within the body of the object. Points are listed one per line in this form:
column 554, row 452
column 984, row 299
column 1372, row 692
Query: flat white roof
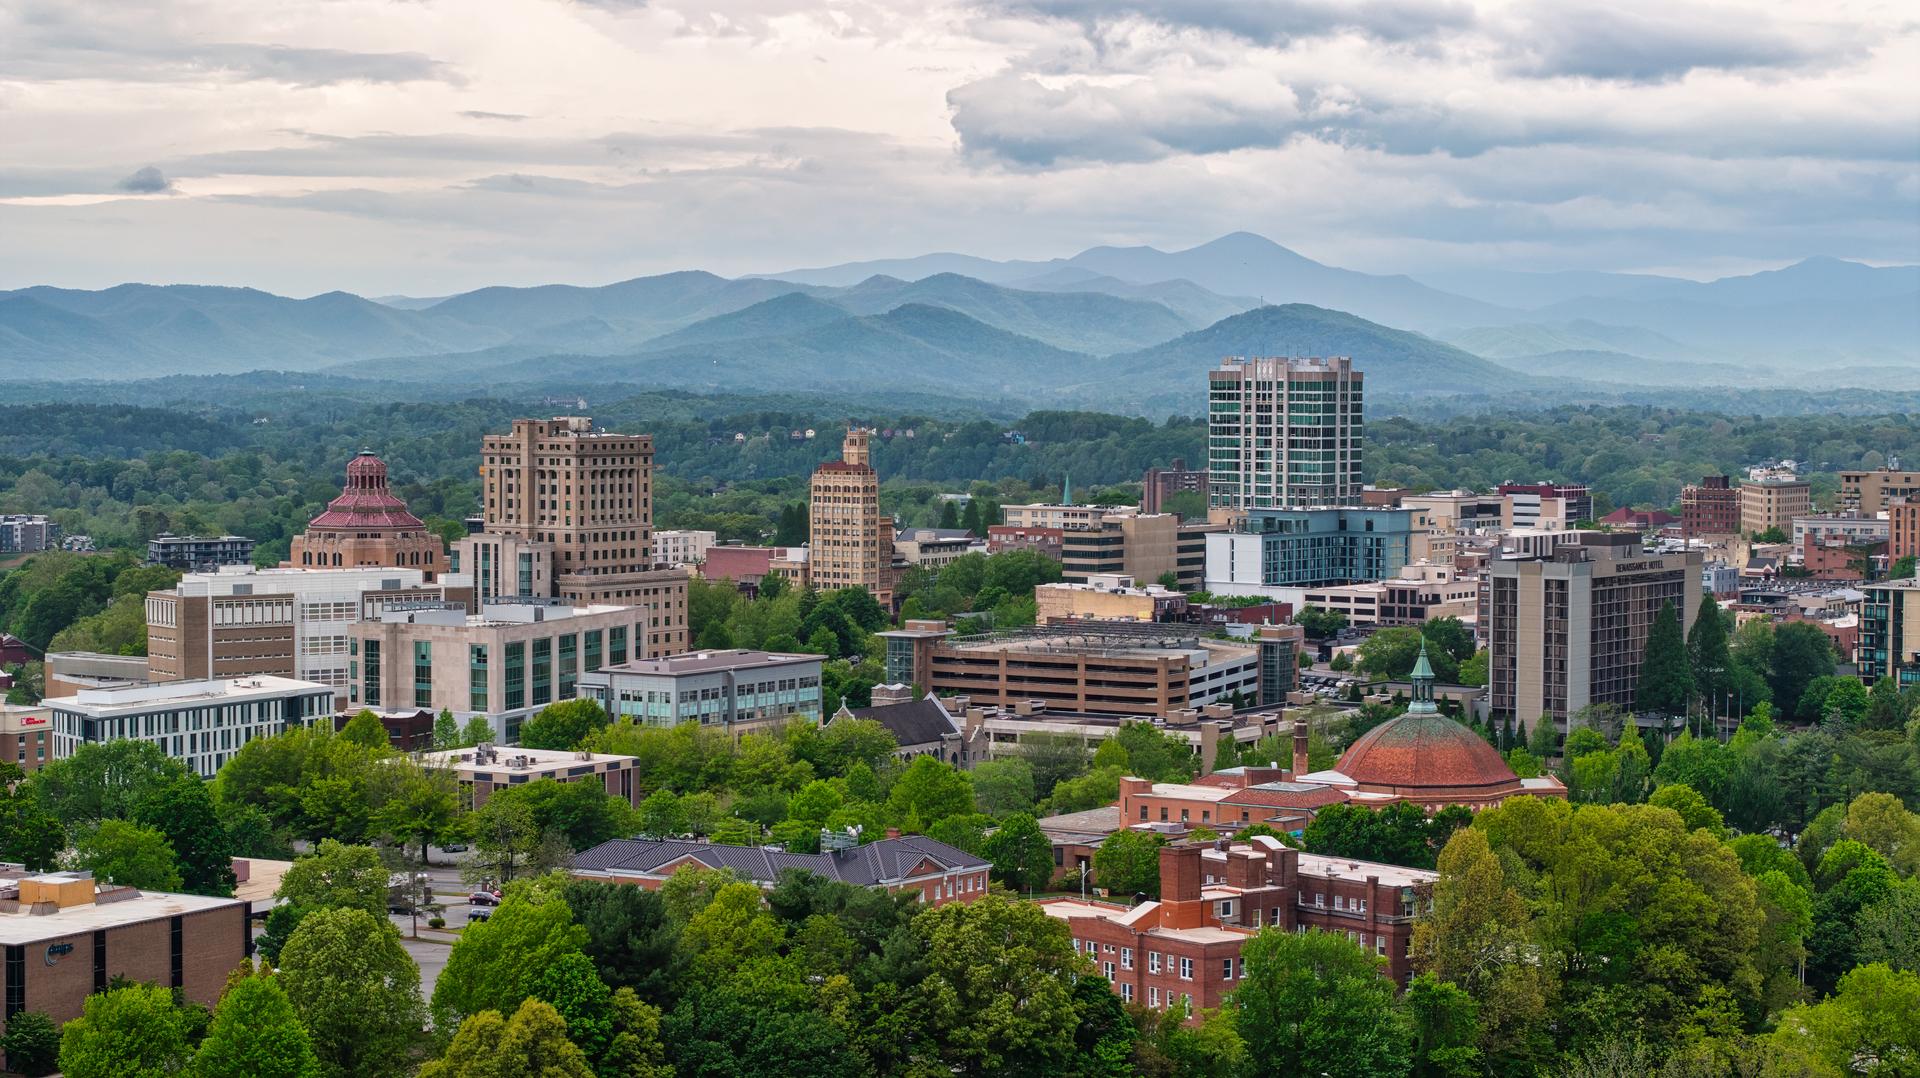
column 1346, row 868
column 24, row 928
column 167, row 695
column 505, row 757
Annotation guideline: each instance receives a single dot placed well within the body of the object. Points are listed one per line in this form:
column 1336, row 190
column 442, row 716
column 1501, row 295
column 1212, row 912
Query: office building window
column 477, row 678
column 423, row 673
column 616, row 645
column 543, row 672
column 569, row 664
column 370, row 691
column 516, row 675
column 594, row 640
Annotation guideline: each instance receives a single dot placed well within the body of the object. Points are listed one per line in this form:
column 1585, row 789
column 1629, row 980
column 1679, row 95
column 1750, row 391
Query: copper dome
column 1424, row 750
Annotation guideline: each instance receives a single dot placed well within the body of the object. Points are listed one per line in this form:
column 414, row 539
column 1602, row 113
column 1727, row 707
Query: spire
column 1422, row 684
column 1066, row 490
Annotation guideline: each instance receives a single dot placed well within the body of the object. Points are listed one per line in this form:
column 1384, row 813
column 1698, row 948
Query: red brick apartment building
column 1215, row 896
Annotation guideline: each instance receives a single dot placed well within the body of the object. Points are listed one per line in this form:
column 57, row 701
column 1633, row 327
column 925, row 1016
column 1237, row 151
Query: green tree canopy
column 338, row 876
column 1318, row 1001
column 532, row 1044
column 255, row 1034
column 126, row 853
column 355, row 989
column 134, row 1031
column 1666, row 682
column 562, row 725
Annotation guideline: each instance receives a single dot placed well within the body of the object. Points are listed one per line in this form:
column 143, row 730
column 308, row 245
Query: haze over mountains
column 1112, row 327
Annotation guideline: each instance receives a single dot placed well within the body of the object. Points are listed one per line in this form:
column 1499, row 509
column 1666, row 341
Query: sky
column 428, row 146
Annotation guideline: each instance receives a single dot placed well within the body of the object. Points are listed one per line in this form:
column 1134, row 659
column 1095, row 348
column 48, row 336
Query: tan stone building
column 1870, row 492
column 589, row 494
column 849, row 544
column 1111, row 597
column 368, row 526
column 1903, row 528
column 505, row 663
column 481, row 770
column 1773, row 502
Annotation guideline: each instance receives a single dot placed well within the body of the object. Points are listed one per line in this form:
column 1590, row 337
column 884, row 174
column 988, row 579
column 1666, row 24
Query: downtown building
column 202, row 724
column 849, row 544
column 368, row 526
column 567, row 513
column 1890, row 633
column 1570, row 628
column 1710, row 507
column 1284, row 433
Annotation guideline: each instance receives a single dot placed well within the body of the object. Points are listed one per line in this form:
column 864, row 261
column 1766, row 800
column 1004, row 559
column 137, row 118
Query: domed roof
column 366, row 502
column 1424, row 750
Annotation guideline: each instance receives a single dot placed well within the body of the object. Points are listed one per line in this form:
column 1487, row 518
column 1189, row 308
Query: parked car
column 454, row 847
column 484, row 898
column 474, row 916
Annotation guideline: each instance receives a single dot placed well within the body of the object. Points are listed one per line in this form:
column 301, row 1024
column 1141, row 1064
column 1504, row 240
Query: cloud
column 318, row 67
column 1655, row 42
column 1271, row 22
column 145, row 181
column 1024, row 121
column 510, row 117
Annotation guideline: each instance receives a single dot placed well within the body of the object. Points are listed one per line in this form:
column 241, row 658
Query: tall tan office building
column 587, row 494
column 1284, row 433
column 848, row 544
column 1870, row 493
column 1773, row 502
column 1571, row 629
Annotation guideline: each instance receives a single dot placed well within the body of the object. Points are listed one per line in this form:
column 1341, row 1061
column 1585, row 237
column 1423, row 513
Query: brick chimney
column 1244, row 868
column 1180, row 873
column 892, row 694
column 1300, row 765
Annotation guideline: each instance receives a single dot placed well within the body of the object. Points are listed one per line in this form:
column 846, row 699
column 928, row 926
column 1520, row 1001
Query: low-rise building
column 1049, row 541
column 1420, row 593
column 68, row 936
column 1282, row 552
column 1771, row 498
column 682, row 548
column 1558, row 506
column 1184, row 948
column 1110, row 596
column 505, row 663
column 934, row 548
column 1458, row 510
column 747, row 565
column 737, row 690
column 937, row 872
column 287, row 622
column 1870, row 492
column 26, row 735
column 1159, row 485
column 199, row 553
column 482, row 769
column 1710, row 507
column 1829, row 528
column 199, row 723
column 23, row 533
column 67, row 672
column 922, row 727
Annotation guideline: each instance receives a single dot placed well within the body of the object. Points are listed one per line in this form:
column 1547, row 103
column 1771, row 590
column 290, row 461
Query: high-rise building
column 1870, row 492
column 1771, row 499
column 849, row 545
column 1283, row 433
column 1890, row 633
column 1710, row 507
column 367, row 525
column 1160, row 484
column 589, row 494
column 1570, row 629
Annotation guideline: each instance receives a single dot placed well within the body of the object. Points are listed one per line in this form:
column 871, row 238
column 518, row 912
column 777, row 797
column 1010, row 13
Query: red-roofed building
column 368, row 526
column 1643, row 519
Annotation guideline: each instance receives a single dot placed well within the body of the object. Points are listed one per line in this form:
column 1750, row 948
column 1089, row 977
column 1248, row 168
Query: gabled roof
column 886, row 861
column 918, row 722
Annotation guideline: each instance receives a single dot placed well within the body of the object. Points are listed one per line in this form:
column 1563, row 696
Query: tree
column 446, row 730
column 255, row 1034
column 365, row 729
column 1666, row 683
column 126, row 853
column 1707, row 653
column 563, row 725
column 533, row 1043
column 1004, row 786
column 104, row 780
column 31, row 1044
column 478, row 730
column 1450, row 636
column 1801, row 652
column 493, row 966
column 29, row 834
column 1128, row 862
column 1693, row 809
column 504, row 834
column 423, row 810
column 184, row 812
column 1152, row 753
column 1446, row 1029
column 995, row 997
column 1320, row 624
column 1391, row 653
column 1866, row 1027
column 355, row 989
column 1318, row 1001
column 338, row 876
column 929, row 791
column 1474, row 670
column 128, row 1032
column 628, row 936
column 1021, row 853
column 582, row 813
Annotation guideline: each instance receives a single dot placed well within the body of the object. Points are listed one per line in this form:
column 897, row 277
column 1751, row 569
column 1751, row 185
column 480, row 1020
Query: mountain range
column 1117, row 327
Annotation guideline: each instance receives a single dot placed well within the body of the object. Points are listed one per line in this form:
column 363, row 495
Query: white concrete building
column 200, row 723
column 735, row 689
column 682, row 548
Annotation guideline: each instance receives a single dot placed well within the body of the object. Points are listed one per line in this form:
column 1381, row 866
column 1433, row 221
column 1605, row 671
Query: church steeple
column 1422, row 684
column 1066, row 490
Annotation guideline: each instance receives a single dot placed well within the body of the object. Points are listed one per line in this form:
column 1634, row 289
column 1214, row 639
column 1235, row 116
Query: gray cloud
column 510, row 117
column 1267, row 21
column 1018, row 119
column 1646, row 42
column 145, row 181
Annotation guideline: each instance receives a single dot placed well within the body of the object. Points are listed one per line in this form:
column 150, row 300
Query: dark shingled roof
column 884, row 861
column 919, row 722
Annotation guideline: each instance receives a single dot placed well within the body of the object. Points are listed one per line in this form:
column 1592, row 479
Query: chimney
column 893, row 832
column 1300, row 765
column 1243, row 869
column 1180, row 873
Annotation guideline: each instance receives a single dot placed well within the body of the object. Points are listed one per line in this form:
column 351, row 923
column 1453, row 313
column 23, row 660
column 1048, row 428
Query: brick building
column 485, row 768
column 26, row 735
column 1185, row 946
column 1710, row 507
column 367, row 525
column 66, row 936
column 1160, row 484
